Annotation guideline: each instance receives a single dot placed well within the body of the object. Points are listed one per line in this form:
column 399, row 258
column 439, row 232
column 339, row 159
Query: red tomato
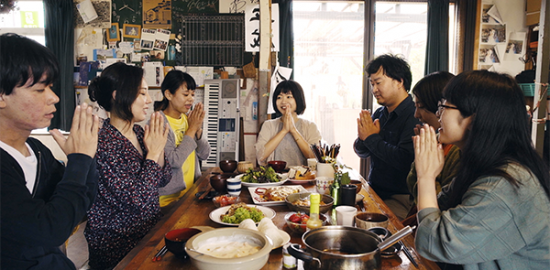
column 224, row 201
column 305, row 218
column 295, row 218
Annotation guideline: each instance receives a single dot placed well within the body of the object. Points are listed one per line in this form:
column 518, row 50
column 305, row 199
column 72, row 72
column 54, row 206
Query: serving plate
column 283, row 176
column 258, row 200
column 215, row 215
column 301, row 182
column 286, row 238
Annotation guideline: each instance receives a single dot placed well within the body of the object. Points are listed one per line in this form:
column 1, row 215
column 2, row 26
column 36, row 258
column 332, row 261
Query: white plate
column 286, row 238
column 215, row 215
column 257, row 199
column 283, row 176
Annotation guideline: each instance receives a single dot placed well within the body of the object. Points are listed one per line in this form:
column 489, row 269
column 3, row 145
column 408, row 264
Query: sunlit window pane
column 328, row 51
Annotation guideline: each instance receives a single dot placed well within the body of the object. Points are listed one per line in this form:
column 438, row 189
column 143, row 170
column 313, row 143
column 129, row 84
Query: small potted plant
column 340, row 178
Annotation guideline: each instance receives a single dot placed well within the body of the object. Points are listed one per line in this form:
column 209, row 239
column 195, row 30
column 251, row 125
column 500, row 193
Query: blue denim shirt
column 391, row 151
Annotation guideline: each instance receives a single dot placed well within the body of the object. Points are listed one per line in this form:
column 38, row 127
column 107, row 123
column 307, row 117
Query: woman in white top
column 288, row 137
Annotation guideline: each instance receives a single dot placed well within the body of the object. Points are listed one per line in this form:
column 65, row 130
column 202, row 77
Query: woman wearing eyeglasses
column 496, row 212
column 427, row 97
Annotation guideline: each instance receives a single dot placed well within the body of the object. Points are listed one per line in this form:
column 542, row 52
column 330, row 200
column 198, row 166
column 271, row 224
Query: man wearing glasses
column 386, row 135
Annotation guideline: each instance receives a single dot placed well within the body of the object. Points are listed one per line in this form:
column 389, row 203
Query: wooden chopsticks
column 325, row 153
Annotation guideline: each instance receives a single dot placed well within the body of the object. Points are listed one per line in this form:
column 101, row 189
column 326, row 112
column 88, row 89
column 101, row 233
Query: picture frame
column 113, row 34
column 132, row 30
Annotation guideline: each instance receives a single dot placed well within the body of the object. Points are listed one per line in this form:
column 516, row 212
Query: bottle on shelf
column 314, row 220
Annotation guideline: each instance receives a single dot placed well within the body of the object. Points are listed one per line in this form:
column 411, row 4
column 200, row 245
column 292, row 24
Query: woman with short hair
column 288, row 137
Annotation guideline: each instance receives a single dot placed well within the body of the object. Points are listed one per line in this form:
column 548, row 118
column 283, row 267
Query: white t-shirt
column 28, row 164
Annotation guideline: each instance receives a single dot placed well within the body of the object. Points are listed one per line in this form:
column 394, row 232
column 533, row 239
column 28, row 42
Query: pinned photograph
column 485, row 18
column 161, row 39
column 113, row 34
column 494, row 14
column 488, row 55
column 137, row 44
column 132, row 30
column 147, row 38
column 146, row 45
column 486, row 67
column 157, row 55
column 492, row 34
column 516, row 45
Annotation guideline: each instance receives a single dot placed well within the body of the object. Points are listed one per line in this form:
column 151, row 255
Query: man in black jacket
column 41, row 200
column 386, row 135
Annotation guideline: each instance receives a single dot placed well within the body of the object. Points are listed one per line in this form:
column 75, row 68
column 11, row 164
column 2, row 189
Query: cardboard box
column 533, row 6
column 532, row 18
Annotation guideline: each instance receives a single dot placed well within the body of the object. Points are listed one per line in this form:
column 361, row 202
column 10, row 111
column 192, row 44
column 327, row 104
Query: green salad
column 239, row 212
column 261, row 175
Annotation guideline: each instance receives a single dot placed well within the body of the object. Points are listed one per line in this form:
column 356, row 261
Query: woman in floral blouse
column 131, row 164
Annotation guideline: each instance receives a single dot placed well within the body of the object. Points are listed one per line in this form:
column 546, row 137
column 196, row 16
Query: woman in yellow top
column 185, row 146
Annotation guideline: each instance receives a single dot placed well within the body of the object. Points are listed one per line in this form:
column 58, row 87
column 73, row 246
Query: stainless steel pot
column 343, row 247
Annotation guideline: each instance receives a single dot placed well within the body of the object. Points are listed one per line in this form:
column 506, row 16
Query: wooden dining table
column 189, row 211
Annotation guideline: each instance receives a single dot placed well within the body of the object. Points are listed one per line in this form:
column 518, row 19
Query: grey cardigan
column 497, row 226
column 177, row 156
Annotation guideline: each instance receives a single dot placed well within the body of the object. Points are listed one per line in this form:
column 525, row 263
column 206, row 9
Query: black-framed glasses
column 441, row 106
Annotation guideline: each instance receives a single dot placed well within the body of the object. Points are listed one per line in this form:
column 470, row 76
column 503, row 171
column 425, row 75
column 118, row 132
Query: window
column 26, row 20
column 328, row 52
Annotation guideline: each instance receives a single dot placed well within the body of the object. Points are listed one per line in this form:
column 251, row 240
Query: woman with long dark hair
column 131, row 164
column 496, row 212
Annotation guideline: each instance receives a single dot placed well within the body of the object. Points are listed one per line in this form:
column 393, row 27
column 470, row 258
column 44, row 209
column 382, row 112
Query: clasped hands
column 83, row 134
column 366, row 126
column 428, row 154
column 288, row 121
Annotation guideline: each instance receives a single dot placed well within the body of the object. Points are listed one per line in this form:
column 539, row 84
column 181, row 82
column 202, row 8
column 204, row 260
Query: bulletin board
column 126, row 12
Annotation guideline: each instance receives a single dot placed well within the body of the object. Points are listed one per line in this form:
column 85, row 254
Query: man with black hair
column 41, row 201
column 386, row 135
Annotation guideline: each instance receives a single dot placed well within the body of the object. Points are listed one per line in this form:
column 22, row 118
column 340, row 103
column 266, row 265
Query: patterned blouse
column 127, row 203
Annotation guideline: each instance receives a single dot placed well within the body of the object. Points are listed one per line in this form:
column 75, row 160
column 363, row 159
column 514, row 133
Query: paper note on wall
column 280, row 74
column 252, row 27
column 86, row 10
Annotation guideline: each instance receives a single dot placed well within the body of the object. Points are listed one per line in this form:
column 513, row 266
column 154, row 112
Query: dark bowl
column 228, row 166
column 358, row 183
column 383, row 233
column 175, row 240
column 219, row 183
column 277, row 165
column 380, row 231
column 292, row 198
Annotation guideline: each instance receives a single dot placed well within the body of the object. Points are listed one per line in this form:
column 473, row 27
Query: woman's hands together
column 428, row 161
column 156, row 134
column 195, row 120
column 428, row 154
column 288, row 121
column 83, row 134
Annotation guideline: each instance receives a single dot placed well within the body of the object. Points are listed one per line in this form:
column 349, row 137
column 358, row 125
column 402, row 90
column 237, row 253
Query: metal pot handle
column 298, row 253
column 388, row 242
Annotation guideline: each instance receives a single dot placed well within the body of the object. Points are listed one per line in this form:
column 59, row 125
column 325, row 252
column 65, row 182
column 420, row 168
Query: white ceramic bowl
column 250, row 262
